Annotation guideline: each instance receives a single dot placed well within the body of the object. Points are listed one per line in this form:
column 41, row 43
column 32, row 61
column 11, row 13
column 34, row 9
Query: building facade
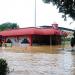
column 33, row 36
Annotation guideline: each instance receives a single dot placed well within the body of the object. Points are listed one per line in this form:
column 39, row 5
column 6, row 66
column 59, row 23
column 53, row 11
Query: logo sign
column 55, row 26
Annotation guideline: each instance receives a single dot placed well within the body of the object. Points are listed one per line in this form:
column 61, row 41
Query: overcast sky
column 22, row 12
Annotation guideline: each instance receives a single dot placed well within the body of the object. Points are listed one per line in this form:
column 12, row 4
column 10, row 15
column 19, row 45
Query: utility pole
column 35, row 14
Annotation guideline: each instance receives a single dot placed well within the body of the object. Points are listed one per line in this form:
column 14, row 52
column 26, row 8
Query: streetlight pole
column 35, row 14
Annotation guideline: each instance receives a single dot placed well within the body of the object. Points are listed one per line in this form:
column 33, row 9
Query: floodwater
column 45, row 60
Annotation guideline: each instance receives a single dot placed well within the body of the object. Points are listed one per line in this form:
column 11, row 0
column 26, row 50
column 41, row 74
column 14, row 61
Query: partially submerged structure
column 33, row 36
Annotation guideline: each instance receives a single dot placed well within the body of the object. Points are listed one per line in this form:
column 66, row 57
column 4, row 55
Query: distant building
column 67, row 30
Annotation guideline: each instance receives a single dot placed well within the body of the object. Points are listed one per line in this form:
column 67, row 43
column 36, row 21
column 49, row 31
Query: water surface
column 38, row 60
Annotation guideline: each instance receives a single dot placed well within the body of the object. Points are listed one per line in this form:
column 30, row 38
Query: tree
column 73, row 40
column 65, row 6
column 8, row 25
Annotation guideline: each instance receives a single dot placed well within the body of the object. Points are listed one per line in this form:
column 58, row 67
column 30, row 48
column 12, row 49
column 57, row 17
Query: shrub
column 73, row 40
column 3, row 67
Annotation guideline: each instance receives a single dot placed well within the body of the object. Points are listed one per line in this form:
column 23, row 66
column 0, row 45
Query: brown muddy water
column 40, row 60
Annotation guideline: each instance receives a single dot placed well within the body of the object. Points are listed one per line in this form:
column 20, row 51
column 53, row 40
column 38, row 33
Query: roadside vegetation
column 8, row 25
column 3, row 67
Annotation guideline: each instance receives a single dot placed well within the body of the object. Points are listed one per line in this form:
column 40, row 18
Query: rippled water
column 45, row 60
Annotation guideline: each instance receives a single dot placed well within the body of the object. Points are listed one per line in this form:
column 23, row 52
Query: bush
column 3, row 67
column 73, row 40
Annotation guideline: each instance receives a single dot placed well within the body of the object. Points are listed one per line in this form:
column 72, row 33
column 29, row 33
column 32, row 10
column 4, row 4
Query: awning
column 31, row 31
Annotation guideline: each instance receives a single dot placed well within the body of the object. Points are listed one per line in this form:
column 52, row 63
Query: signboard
column 55, row 26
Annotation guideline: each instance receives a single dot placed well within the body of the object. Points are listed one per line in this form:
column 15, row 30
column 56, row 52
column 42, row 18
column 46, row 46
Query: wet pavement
column 57, row 62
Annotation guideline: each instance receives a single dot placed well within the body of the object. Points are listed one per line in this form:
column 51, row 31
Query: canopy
column 31, row 31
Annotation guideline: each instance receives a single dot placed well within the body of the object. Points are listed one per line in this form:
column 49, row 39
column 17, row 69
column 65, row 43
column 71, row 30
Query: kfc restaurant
column 33, row 36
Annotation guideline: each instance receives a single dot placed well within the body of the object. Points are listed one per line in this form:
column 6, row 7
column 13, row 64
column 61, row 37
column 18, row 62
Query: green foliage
column 73, row 40
column 8, row 25
column 74, row 34
column 0, row 45
column 46, row 1
column 65, row 6
column 3, row 67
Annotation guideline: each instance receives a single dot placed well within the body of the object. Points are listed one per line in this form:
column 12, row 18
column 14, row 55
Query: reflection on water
column 40, row 61
column 38, row 49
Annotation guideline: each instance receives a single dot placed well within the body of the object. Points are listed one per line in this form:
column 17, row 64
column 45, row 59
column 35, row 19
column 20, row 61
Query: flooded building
column 33, row 36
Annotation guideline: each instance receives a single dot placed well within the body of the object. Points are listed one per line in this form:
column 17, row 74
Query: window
column 24, row 41
column 8, row 41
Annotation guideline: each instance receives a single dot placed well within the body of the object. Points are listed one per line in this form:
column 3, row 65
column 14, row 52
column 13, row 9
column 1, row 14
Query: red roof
column 30, row 31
